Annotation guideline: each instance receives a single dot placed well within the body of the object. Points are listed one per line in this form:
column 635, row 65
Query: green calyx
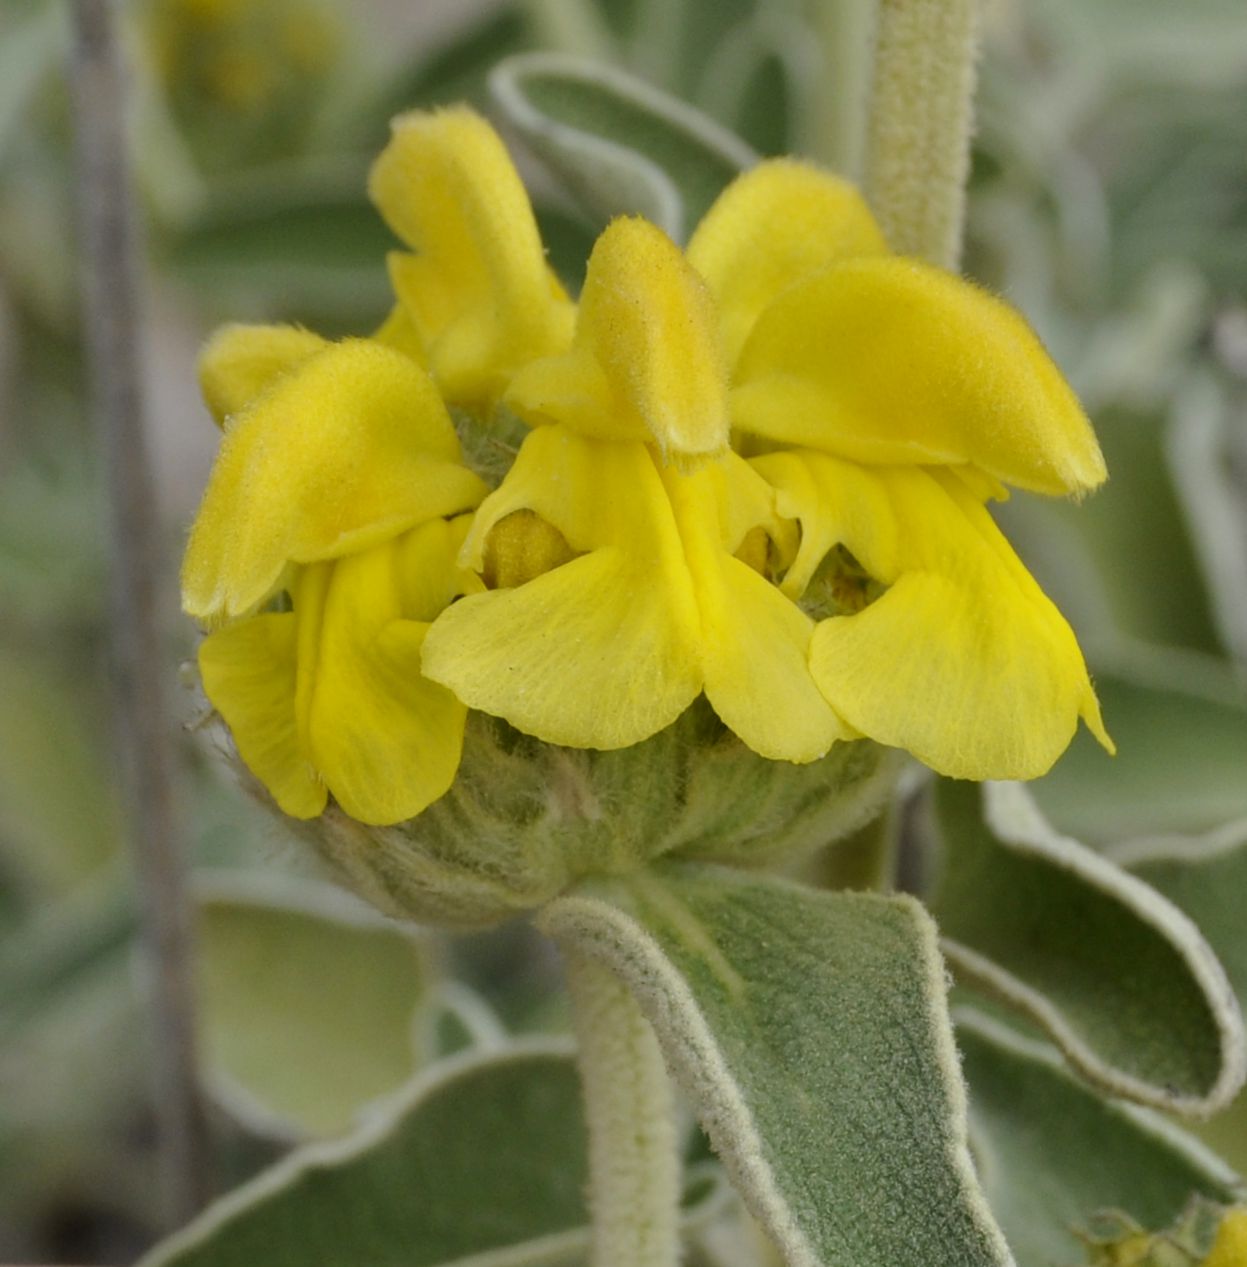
column 526, row 819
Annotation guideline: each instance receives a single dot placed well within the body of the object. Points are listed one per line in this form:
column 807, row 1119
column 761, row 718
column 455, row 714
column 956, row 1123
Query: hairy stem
column 144, row 727
column 634, row 1162
column 921, row 114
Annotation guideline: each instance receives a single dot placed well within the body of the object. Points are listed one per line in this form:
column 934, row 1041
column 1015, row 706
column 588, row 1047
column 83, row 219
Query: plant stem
column 634, row 1161
column 842, row 96
column 918, row 149
column 145, row 732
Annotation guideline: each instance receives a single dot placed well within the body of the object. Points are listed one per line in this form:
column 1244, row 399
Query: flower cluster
column 756, row 471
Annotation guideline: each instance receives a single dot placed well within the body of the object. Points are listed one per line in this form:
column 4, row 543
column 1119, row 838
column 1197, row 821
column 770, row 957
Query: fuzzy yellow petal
column 602, row 651
column 399, row 331
column 647, row 362
column 385, row 739
column 836, row 503
column 353, row 448
column 893, row 361
column 248, row 673
column 239, row 363
column 477, row 289
column 773, row 225
column 754, row 640
column 963, row 661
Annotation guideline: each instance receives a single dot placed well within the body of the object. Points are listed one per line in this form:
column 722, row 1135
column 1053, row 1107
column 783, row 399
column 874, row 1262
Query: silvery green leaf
column 1076, row 551
column 309, row 1002
column 1202, row 461
column 481, row 1160
column 1119, row 977
column 762, row 76
column 1180, row 723
column 1051, row 1152
column 811, row 1033
column 288, row 244
column 1206, row 878
column 60, row 820
column 456, row 70
column 618, row 145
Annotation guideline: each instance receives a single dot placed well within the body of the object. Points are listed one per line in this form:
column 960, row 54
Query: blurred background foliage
column 1108, row 201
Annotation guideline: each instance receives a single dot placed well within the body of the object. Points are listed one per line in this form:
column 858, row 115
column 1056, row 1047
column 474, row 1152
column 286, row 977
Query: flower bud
column 525, row 819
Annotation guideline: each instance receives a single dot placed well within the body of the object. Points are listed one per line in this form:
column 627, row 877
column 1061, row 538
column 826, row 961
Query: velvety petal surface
column 386, row 740
column 248, row 672
column 598, row 653
column 777, row 223
column 892, row 361
column 963, row 661
column 353, row 448
column 754, row 639
column 477, row 289
column 646, row 362
column 836, row 502
column 239, row 363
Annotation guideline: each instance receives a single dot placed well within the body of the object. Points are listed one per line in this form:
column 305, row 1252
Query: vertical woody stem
column 145, row 731
column 918, row 147
column 634, row 1161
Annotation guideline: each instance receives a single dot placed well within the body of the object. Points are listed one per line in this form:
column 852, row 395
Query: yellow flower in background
column 885, row 400
column 324, row 546
column 242, row 57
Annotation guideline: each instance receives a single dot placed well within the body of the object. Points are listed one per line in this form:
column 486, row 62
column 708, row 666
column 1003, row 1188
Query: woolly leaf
column 617, row 144
column 481, row 1155
column 1051, row 1152
column 478, row 1162
column 309, row 1003
column 811, row 1032
column 1118, row 976
column 1181, row 731
column 59, row 816
column 1076, row 550
column 456, row 70
column 317, row 245
column 1206, row 878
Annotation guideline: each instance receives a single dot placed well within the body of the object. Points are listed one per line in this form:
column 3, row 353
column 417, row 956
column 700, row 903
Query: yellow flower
column 845, row 582
column 321, row 552
column 476, row 299
column 757, row 472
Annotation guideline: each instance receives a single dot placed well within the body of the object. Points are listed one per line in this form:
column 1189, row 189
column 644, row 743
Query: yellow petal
column 428, row 570
column 386, row 740
column 963, row 661
column 603, row 651
column 478, row 289
column 399, row 331
column 240, row 363
column 647, row 361
column 893, row 361
column 595, row 492
column 836, row 503
column 248, row 673
column 778, row 222
column 352, row 448
column 754, row 640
